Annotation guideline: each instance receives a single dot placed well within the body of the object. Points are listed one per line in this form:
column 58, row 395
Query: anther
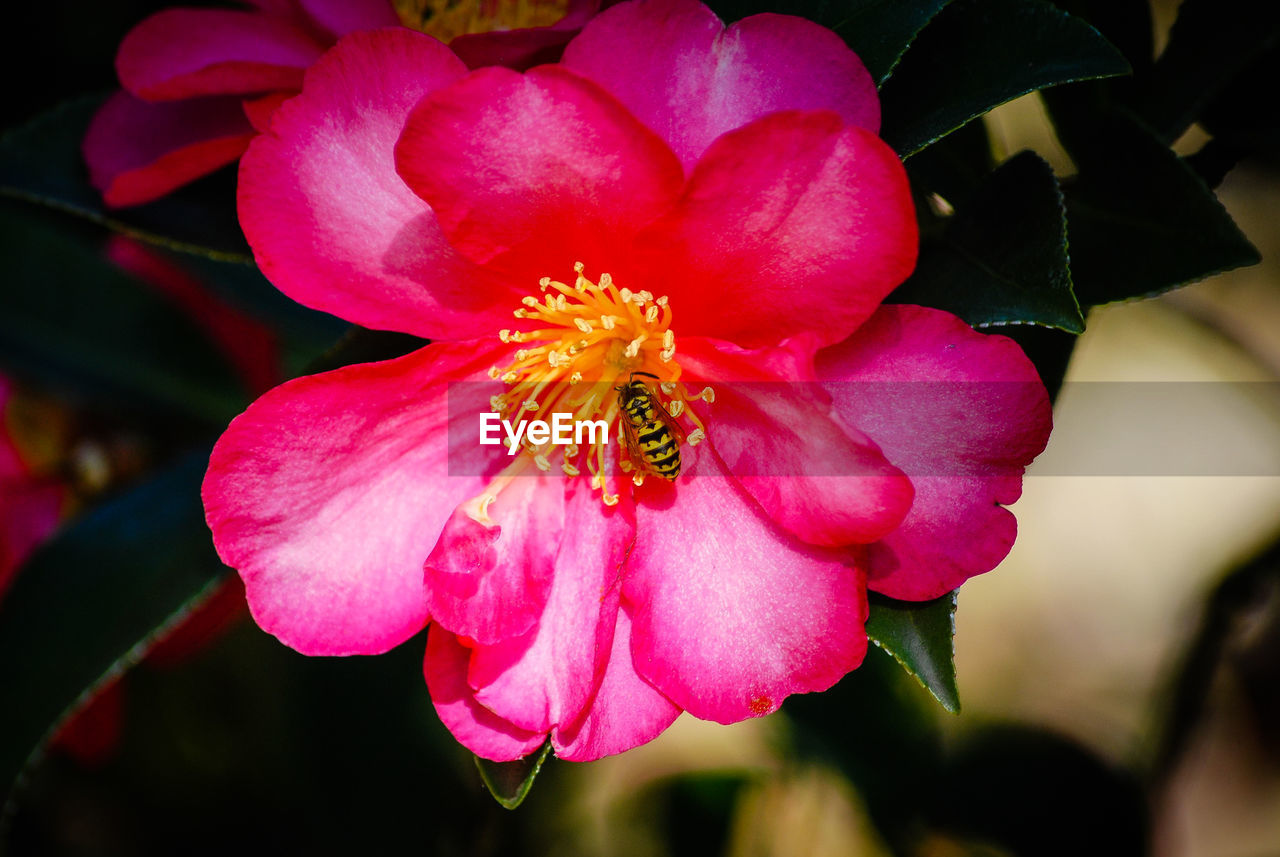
column 575, row 378
column 544, row 283
column 582, row 324
column 696, row 437
column 668, row 387
column 504, row 335
column 530, row 404
column 608, row 322
column 662, row 301
column 570, row 470
column 625, row 294
column 637, row 479
column 707, row 395
column 542, row 463
column 497, row 403
column 530, row 302
column 610, row 499
column 677, row 408
column 633, row 347
column 510, row 378
column 651, row 314
column 494, row 372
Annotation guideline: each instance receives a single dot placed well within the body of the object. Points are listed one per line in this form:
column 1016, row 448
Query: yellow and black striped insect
column 652, row 435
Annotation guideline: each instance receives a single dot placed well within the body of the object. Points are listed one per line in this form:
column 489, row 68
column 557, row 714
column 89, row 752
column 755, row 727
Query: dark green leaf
column 954, row 168
column 89, row 604
column 1236, row 116
column 1002, row 258
column 66, row 310
column 977, row 54
column 1209, row 45
column 1141, row 221
column 41, row 162
column 919, row 636
column 880, row 31
column 880, row 729
column 1125, row 23
column 361, row 345
column 305, row 334
column 509, row 782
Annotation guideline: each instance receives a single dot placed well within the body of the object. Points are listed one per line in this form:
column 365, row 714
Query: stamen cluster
column 581, row 344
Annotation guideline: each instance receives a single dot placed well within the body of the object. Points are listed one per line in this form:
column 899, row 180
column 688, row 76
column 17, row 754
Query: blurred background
column 1119, row 672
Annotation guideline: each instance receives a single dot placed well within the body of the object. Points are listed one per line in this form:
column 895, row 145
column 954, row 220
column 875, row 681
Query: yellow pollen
column 448, row 19
column 586, row 341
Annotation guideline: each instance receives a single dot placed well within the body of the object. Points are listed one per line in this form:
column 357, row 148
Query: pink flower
column 30, row 504
column 750, row 222
column 199, row 84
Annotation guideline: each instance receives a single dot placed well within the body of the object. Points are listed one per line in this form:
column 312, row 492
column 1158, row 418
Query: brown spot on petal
column 761, row 705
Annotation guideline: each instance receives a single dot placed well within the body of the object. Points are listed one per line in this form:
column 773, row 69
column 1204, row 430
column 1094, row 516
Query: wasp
column 653, row 436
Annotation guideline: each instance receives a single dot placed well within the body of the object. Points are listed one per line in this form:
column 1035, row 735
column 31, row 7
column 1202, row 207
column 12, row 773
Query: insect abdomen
column 656, row 444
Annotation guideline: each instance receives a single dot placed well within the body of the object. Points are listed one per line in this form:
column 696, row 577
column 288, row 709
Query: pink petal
column 535, row 171
column 476, row 727
column 731, row 615
column 137, row 151
column 299, row 481
column 796, row 223
column 178, row 53
column 330, row 222
column 30, row 505
column 673, row 64
column 627, row 711
column 546, row 678
column 260, row 110
column 524, row 48
column 340, row 17
column 777, row 434
column 490, row 581
column 516, row 49
column 962, row 413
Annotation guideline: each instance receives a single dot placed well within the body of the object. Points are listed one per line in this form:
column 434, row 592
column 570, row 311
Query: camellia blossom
column 199, row 84
column 704, row 204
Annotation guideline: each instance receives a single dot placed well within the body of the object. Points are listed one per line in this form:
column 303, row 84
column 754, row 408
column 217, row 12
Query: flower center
column 448, row 19
column 600, row 354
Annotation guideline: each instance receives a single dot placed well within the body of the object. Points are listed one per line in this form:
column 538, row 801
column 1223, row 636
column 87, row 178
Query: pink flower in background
column 736, row 223
column 199, row 84
column 30, row 504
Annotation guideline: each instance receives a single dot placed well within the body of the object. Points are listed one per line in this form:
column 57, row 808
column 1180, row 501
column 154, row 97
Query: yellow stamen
column 597, row 332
